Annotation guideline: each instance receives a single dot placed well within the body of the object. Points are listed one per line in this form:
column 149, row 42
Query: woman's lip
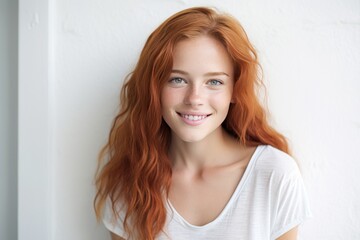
column 193, row 119
column 193, row 114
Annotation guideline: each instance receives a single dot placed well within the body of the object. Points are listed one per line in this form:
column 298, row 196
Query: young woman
column 191, row 154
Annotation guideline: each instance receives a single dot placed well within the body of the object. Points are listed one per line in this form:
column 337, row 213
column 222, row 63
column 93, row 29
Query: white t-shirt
column 269, row 200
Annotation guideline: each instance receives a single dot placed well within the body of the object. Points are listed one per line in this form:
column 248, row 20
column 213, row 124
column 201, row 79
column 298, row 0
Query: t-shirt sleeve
column 114, row 222
column 291, row 203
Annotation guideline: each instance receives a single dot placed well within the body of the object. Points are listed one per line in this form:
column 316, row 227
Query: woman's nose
column 194, row 96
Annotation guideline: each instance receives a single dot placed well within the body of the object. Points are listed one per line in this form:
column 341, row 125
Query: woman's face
column 196, row 98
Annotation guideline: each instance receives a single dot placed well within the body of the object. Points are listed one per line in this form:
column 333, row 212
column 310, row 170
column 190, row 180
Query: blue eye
column 177, row 80
column 215, row 82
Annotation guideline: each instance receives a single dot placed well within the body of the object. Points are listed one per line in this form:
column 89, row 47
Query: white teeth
column 194, row 117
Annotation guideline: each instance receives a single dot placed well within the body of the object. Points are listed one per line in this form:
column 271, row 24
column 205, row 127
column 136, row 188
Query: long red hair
column 134, row 168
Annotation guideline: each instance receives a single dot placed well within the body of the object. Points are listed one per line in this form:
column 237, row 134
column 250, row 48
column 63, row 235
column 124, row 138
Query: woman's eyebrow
column 209, row 74
column 179, row 71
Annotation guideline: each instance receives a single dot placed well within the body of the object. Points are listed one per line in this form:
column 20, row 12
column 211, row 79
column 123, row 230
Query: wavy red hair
column 134, row 168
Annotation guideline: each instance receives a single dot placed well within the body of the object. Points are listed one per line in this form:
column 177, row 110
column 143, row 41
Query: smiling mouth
column 193, row 117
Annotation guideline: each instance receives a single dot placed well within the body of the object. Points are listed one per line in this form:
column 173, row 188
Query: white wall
column 310, row 53
column 8, row 119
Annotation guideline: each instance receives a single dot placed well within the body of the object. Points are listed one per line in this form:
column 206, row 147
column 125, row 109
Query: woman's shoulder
column 113, row 216
column 273, row 160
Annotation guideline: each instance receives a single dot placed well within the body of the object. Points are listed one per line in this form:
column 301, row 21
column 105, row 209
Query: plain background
column 73, row 57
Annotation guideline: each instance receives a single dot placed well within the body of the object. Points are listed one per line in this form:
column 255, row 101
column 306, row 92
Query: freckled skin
column 207, row 83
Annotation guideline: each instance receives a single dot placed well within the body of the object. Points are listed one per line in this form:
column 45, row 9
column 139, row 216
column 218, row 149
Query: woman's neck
column 209, row 152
